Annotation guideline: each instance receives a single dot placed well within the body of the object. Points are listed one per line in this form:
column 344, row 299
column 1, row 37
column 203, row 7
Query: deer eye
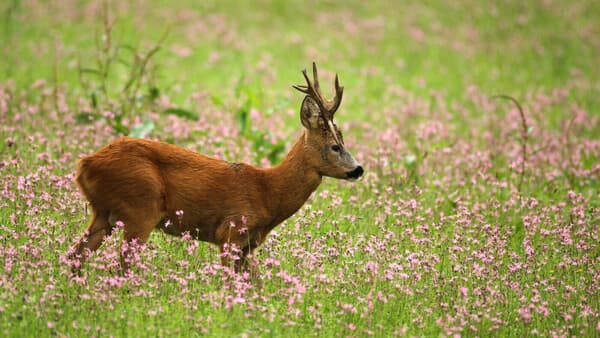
column 336, row 148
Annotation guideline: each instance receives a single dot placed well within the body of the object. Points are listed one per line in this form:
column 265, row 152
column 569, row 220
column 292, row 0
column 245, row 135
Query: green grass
column 438, row 210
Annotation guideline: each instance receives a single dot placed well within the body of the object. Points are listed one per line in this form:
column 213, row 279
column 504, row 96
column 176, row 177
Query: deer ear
column 310, row 113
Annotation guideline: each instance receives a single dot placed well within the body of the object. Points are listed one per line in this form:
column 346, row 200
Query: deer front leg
column 236, row 253
column 231, row 255
column 236, row 256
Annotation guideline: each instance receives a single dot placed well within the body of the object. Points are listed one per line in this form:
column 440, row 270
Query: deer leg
column 237, row 244
column 230, row 255
column 91, row 239
column 246, row 264
column 136, row 231
column 235, row 254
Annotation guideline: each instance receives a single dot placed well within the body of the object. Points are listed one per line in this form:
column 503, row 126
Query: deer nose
column 356, row 173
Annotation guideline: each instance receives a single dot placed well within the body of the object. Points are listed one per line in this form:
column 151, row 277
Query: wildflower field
column 477, row 124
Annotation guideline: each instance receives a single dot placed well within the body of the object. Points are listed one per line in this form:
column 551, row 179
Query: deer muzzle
column 356, row 173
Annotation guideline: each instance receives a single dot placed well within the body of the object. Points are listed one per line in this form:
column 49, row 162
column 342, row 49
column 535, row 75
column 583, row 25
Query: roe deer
column 147, row 184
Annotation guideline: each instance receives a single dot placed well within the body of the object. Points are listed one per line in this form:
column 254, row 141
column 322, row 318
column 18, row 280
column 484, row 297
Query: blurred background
column 381, row 49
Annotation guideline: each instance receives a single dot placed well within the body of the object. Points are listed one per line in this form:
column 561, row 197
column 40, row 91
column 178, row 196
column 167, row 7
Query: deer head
column 322, row 136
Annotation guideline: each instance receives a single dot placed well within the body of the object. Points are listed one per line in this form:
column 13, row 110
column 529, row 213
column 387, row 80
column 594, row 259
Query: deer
column 143, row 185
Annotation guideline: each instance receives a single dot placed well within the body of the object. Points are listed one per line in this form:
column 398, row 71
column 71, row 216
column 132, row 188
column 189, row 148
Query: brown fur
column 144, row 183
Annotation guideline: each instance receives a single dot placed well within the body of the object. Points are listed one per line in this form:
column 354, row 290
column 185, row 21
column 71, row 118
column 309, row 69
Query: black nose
column 356, row 173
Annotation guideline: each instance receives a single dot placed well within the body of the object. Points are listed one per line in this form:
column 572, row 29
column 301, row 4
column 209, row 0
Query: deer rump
column 152, row 184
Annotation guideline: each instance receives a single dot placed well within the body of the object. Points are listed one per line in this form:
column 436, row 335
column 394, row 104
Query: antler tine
column 324, row 104
column 312, row 90
column 339, row 92
column 301, row 88
column 316, row 81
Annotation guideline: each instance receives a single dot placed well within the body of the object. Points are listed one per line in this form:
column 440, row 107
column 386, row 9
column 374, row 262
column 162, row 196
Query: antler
column 328, row 108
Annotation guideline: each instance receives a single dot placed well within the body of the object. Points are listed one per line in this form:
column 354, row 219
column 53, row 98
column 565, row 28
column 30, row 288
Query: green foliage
column 126, row 67
column 181, row 113
column 143, row 129
column 264, row 144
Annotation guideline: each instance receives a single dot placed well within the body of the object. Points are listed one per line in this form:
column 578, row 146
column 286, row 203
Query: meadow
column 473, row 218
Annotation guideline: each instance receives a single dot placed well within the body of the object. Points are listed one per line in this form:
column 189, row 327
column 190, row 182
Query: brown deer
column 147, row 184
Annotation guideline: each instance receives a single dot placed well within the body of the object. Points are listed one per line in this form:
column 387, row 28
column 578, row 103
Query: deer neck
column 292, row 182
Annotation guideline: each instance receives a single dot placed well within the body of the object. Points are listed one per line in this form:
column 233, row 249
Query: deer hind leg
column 138, row 224
column 91, row 239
